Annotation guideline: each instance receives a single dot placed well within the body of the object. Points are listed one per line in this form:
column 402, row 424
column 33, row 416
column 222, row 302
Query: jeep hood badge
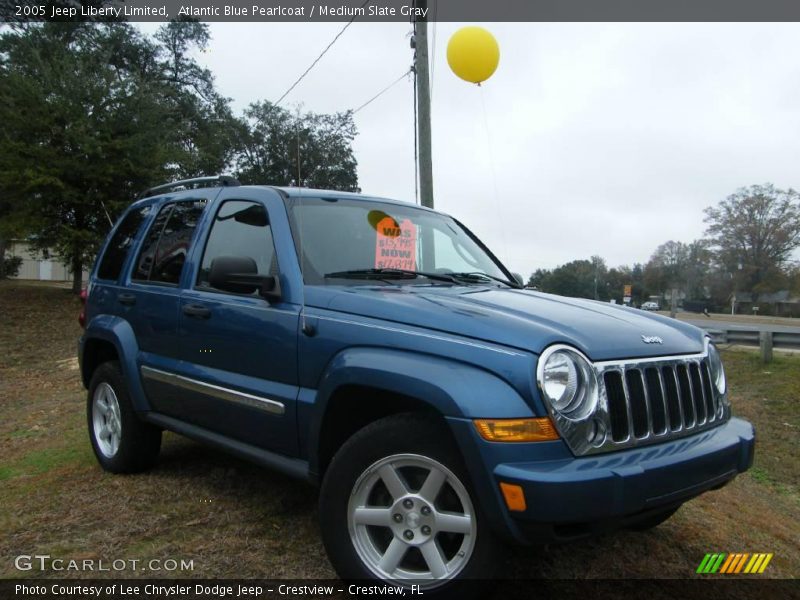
column 652, row 339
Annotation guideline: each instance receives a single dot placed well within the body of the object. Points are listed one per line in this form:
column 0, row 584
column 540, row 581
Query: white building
column 49, row 269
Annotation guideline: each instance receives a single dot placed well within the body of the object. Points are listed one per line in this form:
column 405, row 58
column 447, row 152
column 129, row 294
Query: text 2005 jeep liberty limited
column 380, row 350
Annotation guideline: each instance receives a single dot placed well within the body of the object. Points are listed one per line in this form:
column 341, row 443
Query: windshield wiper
column 389, row 273
column 478, row 275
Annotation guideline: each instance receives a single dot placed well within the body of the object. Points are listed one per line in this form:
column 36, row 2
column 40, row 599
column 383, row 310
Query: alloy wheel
column 410, row 518
column 106, row 420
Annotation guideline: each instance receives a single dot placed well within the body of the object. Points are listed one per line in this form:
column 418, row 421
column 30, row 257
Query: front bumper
column 567, row 496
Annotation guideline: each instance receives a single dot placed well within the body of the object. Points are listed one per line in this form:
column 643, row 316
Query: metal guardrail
column 753, row 337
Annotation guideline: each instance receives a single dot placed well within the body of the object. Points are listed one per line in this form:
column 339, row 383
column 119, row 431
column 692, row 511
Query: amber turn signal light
column 514, row 496
column 516, row 430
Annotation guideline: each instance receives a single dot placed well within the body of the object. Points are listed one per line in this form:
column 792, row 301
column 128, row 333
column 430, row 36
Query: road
column 706, row 323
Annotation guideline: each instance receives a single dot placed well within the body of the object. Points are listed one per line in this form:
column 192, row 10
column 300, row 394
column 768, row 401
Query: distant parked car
column 651, row 306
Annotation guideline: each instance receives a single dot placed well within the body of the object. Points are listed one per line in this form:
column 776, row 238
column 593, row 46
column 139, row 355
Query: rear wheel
column 121, row 441
column 396, row 505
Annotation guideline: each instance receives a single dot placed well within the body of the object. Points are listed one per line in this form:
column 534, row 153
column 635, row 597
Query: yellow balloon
column 473, row 54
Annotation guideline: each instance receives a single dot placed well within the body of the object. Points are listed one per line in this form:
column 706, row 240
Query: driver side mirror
column 239, row 275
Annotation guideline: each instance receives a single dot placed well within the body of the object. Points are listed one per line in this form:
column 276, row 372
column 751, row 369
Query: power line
column 383, row 91
column 313, row 64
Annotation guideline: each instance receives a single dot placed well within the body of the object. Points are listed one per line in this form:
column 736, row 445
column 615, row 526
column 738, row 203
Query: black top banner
column 403, row 10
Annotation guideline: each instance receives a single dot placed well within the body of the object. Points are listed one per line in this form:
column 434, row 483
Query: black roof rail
column 223, row 180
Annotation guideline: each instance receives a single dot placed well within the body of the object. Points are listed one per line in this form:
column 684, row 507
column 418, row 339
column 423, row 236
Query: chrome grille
column 659, row 400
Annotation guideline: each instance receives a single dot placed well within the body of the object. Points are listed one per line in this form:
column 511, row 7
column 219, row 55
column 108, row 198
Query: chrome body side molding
column 210, row 389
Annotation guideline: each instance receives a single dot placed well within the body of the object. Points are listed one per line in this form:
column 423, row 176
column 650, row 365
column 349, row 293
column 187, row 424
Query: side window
column 241, row 229
column 166, row 246
column 117, row 250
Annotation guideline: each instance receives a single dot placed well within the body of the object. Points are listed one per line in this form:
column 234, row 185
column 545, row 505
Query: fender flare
column 451, row 388
column 119, row 333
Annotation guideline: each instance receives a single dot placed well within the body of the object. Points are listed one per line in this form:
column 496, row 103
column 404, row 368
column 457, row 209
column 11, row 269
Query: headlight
column 568, row 382
column 715, row 366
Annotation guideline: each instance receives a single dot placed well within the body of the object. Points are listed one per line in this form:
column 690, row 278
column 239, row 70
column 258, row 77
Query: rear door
column 238, row 351
column 149, row 299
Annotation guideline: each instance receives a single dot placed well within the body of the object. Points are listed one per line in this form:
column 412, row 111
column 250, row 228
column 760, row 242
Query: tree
column 666, row 268
column 697, row 270
column 271, row 141
column 676, row 265
column 538, row 279
column 616, row 279
column 6, row 229
column 578, row 279
column 201, row 124
column 92, row 114
column 754, row 232
column 639, row 292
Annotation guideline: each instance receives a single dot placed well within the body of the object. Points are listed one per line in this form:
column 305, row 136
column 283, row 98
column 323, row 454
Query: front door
column 238, row 351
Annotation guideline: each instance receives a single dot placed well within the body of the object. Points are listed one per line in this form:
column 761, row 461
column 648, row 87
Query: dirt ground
column 233, row 519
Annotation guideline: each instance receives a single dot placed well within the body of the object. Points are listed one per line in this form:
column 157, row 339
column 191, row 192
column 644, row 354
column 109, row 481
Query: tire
column 381, row 521
column 121, row 441
column 654, row 520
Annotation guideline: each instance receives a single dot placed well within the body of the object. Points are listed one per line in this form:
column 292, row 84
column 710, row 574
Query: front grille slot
column 707, row 391
column 658, row 398
column 697, row 393
column 673, row 398
column 617, row 406
column 658, row 411
column 686, row 397
column 641, row 426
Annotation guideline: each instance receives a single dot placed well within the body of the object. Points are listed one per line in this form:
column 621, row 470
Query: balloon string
column 494, row 175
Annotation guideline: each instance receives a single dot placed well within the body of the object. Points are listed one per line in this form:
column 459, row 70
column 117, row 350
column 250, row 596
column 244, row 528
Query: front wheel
column 396, row 505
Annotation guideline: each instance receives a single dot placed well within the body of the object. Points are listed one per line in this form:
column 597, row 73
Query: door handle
column 197, row 311
column 126, row 299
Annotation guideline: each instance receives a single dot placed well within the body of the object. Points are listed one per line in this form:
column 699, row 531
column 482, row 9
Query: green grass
column 768, row 395
column 22, row 433
column 45, row 460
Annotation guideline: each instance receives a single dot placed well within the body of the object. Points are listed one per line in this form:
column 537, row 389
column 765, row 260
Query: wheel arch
column 108, row 337
column 362, row 385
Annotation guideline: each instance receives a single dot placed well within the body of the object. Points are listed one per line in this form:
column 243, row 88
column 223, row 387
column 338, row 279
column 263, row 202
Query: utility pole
column 423, row 106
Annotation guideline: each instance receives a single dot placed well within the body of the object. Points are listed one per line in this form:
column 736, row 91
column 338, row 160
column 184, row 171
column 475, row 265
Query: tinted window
column 240, row 229
column 117, row 250
column 144, row 263
column 166, row 246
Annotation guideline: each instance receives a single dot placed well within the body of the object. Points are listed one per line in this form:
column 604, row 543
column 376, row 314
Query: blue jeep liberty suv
column 380, row 350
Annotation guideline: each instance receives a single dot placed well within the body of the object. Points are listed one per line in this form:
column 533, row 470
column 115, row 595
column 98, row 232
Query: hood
column 519, row 318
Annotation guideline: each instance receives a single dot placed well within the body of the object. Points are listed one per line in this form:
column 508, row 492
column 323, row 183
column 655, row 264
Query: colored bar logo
column 720, row 562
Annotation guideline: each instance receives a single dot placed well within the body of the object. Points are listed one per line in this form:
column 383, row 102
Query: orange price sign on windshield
column 396, row 245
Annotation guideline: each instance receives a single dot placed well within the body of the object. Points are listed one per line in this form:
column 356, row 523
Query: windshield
column 341, row 235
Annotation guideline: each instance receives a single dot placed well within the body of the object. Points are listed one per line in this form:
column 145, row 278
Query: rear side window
column 240, row 229
column 166, row 246
column 117, row 250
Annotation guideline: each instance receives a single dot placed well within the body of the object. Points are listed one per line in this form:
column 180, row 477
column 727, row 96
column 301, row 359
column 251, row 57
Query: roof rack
column 223, row 180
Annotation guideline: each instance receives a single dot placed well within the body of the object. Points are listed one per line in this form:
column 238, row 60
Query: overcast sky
column 604, row 139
